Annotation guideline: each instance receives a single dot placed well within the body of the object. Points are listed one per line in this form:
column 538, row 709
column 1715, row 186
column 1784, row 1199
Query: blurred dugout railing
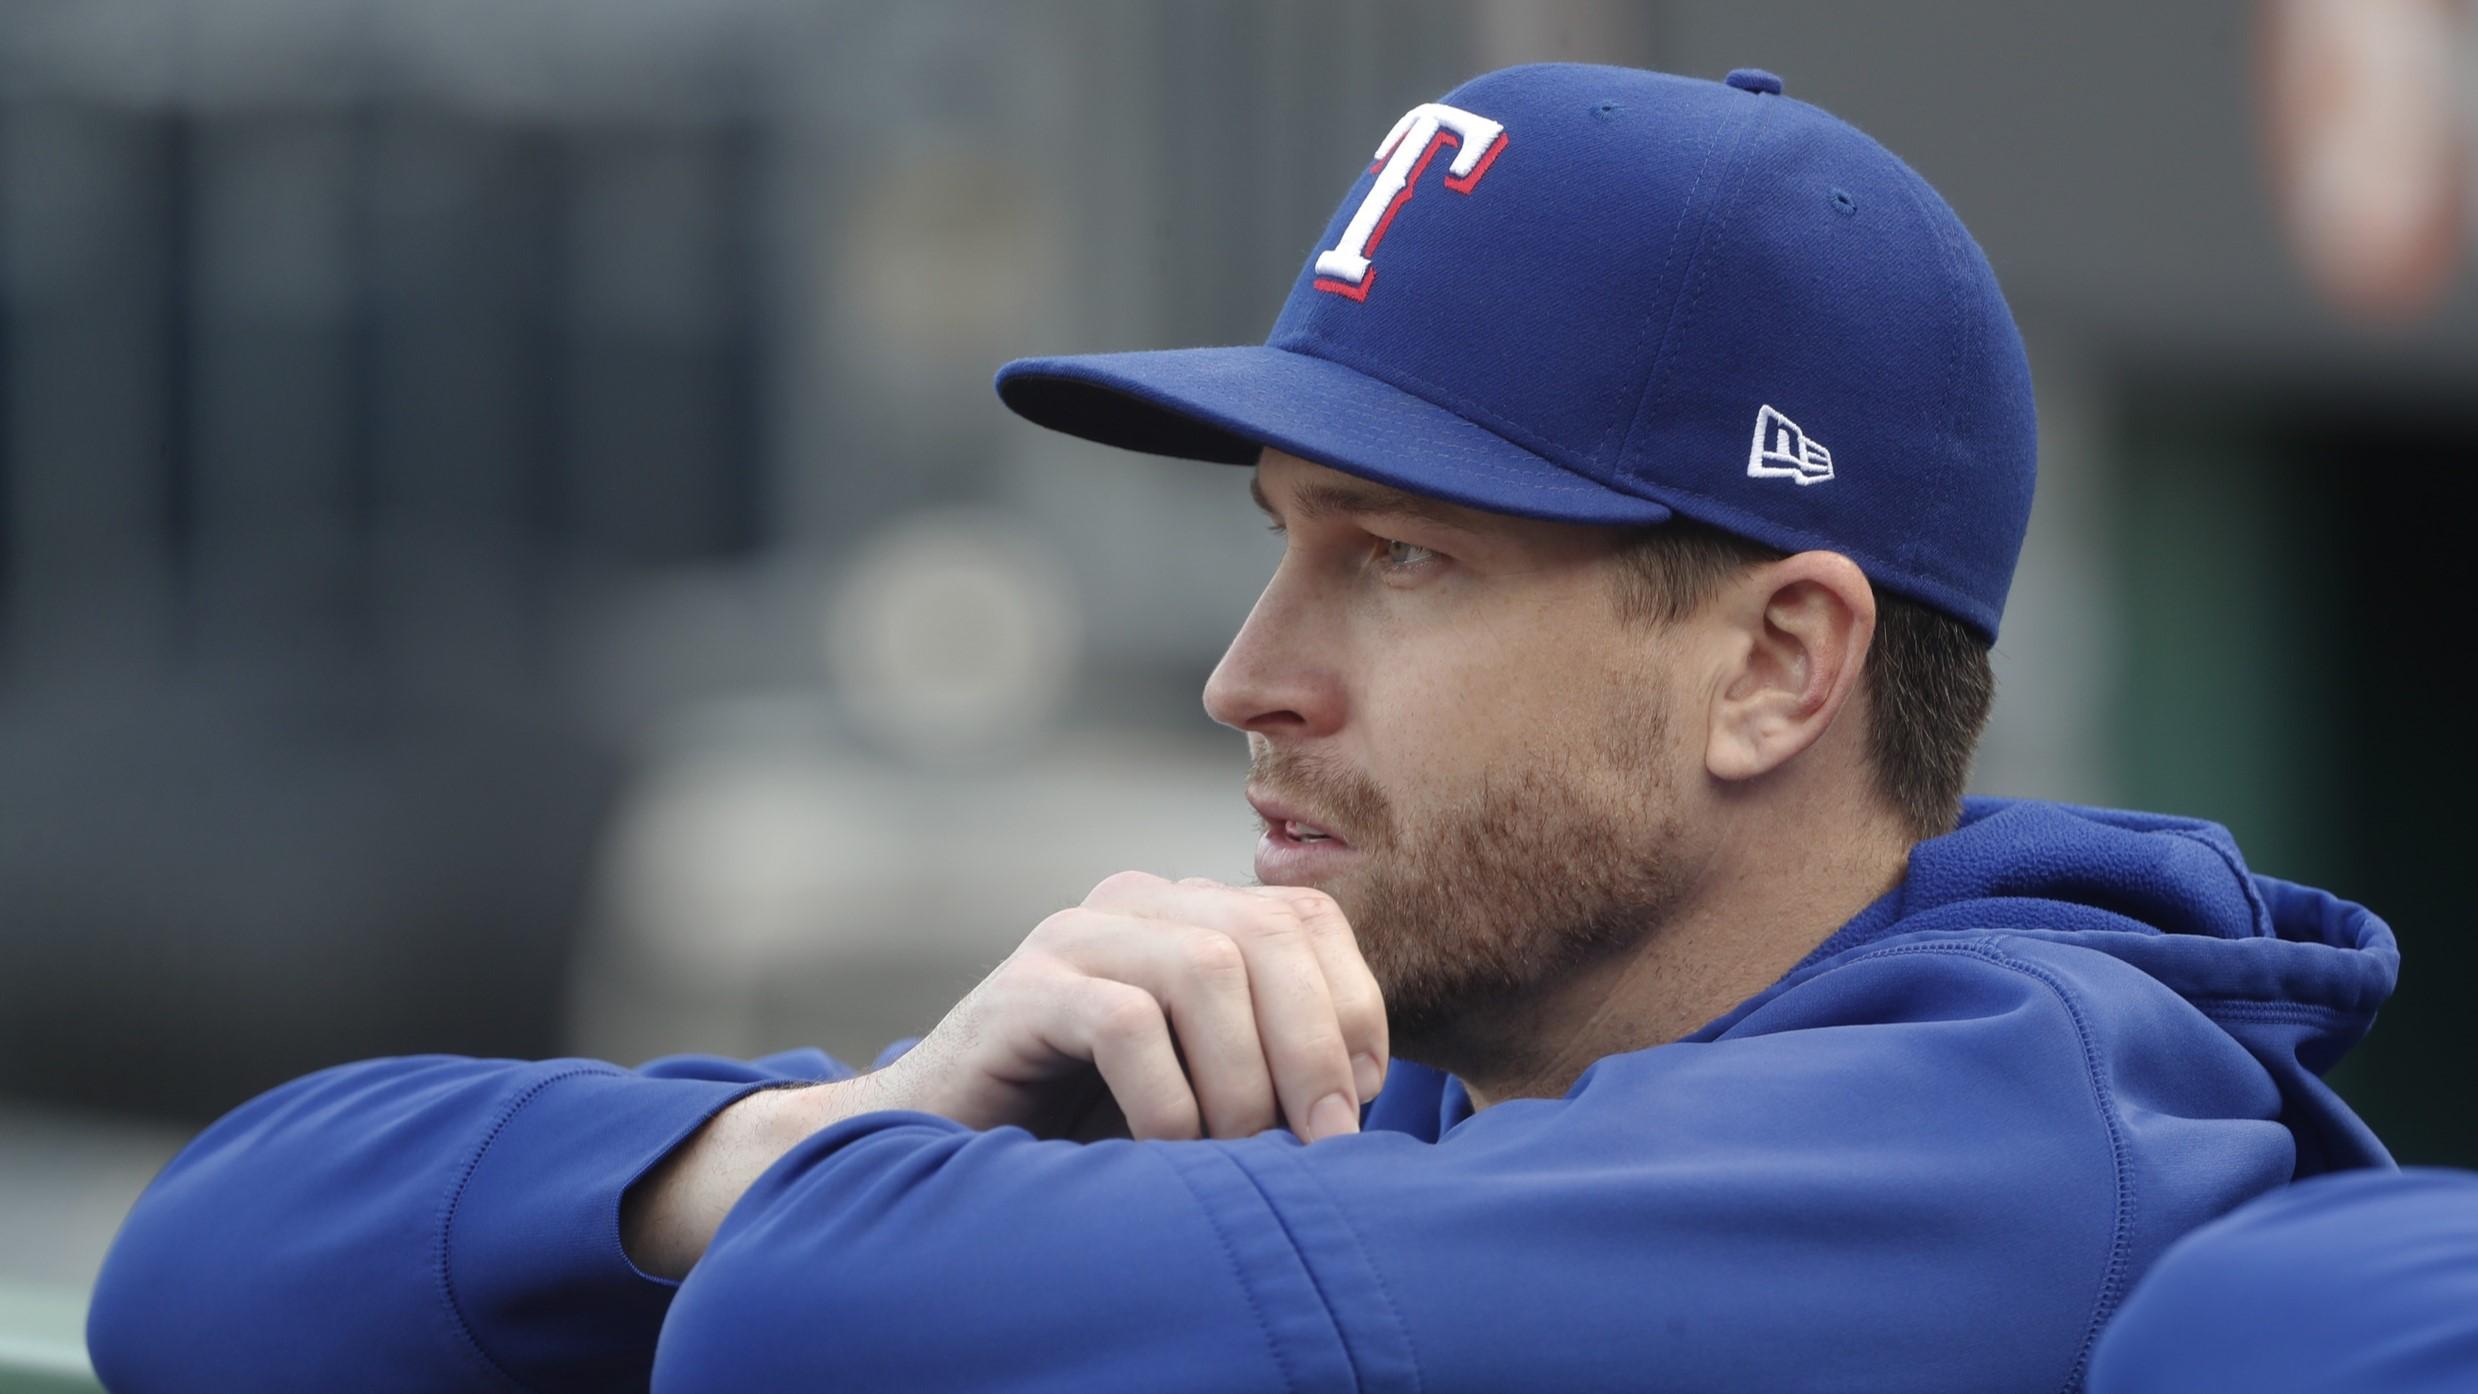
column 334, row 388
column 43, row 1342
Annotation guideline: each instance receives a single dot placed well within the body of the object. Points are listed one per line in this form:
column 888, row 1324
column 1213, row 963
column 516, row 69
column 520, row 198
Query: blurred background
column 507, row 545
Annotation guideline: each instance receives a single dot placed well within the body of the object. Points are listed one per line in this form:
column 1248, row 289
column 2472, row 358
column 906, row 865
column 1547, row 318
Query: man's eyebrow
column 1330, row 500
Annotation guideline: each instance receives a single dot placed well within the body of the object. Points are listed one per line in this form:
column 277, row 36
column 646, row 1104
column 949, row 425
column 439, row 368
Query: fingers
column 1119, row 1027
column 1200, row 977
column 1359, row 1004
column 1286, row 940
column 1295, row 1017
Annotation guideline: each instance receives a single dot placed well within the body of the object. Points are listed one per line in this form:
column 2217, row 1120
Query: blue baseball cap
column 1603, row 295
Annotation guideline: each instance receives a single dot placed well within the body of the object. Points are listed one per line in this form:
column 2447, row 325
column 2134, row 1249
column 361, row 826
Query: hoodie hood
column 2292, row 973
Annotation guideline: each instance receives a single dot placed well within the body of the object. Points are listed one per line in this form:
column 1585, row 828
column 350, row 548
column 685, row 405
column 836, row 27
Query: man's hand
column 1202, row 1009
column 1156, row 1009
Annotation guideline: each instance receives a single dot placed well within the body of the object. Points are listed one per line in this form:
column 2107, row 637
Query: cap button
column 1754, row 80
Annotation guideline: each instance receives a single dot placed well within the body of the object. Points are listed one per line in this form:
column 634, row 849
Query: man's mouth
column 1285, row 824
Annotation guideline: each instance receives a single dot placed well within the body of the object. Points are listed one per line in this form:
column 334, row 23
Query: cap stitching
column 1684, row 311
column 1677, row 235
column 1913, row 549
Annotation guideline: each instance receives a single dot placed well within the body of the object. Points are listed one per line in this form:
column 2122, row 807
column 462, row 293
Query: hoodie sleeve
column 1909, row 1180
column 2360, row 1280
column 424, row 1223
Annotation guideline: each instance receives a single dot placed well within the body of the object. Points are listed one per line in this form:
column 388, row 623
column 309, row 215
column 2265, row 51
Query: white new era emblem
column 1782, row 451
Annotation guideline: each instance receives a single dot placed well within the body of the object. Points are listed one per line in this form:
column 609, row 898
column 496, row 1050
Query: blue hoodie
column 2363, row 1283
column 1933, row 1156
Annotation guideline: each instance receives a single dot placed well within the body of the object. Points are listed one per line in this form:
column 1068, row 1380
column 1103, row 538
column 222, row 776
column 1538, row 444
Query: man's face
column 1453, row 697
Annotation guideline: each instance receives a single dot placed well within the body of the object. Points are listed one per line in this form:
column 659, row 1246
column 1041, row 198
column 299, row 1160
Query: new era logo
column 1782, row 451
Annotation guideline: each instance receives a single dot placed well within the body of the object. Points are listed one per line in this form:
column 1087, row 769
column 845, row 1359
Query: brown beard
column 1468, row 912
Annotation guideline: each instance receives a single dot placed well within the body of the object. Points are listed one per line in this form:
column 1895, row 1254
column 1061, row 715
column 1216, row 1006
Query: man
column 1630, row 1001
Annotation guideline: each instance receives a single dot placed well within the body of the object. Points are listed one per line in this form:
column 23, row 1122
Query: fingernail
column 1332, row 1117
column 1371, row 1079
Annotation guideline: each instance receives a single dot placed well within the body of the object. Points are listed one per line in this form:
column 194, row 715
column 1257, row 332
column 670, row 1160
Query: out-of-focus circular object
column 2361, row 100
column 954, row 635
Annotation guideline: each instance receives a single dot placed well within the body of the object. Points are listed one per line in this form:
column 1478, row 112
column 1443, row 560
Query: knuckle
column 1275, row 921
column 1126, row 1016
column 1359, row 1004
column 1120, row 883
column 1214, row 959
column 1055, row 928
column 1308, row 900
column 1030, row 962
column 1319, row 912
column 1323, row 1052
column 1017, row 991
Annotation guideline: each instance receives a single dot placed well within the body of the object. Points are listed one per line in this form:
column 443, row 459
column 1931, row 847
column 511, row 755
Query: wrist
column 777, row 1120
column 672, row 1212
column 780, row 1119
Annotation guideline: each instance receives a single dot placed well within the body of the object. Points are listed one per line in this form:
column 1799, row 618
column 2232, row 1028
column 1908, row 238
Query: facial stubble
column 1471, row 907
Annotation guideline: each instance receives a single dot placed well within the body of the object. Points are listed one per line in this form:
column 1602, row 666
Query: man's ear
column 1798, row 631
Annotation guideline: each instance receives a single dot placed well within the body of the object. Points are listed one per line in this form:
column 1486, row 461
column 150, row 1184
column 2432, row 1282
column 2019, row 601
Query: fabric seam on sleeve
column 455, row 1198
column 1419, row 1381
column 2258, row 1009
column 1316, row 1280
column 1342, row 1217
column 1230, row 1256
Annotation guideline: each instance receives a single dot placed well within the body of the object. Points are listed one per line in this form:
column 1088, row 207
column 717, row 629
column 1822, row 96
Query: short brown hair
column 1927, row 677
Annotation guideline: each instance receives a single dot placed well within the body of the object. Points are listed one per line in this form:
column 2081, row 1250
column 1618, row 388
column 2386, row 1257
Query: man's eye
column 1402, row 556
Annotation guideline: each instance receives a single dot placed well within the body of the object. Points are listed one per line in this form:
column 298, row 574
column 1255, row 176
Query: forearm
column 1084, row 1267
column 426, row 1224
column 670, row 1215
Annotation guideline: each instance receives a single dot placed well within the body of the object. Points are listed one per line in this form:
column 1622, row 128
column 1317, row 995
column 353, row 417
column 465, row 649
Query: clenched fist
column 1162, row 1009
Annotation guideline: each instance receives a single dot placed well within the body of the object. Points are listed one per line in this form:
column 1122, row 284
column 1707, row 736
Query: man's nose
column 1271, row 679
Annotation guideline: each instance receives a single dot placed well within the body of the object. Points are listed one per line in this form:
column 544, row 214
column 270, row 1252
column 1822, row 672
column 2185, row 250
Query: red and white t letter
column 1344, row 269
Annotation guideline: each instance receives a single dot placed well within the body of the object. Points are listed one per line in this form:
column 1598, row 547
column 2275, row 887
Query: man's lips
column 1288, row 820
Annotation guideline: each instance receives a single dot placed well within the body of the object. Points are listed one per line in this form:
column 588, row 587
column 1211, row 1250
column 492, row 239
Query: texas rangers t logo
column 1402, row 159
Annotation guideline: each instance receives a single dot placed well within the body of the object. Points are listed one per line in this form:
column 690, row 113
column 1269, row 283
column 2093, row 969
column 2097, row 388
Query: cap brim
column 1223, row 404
